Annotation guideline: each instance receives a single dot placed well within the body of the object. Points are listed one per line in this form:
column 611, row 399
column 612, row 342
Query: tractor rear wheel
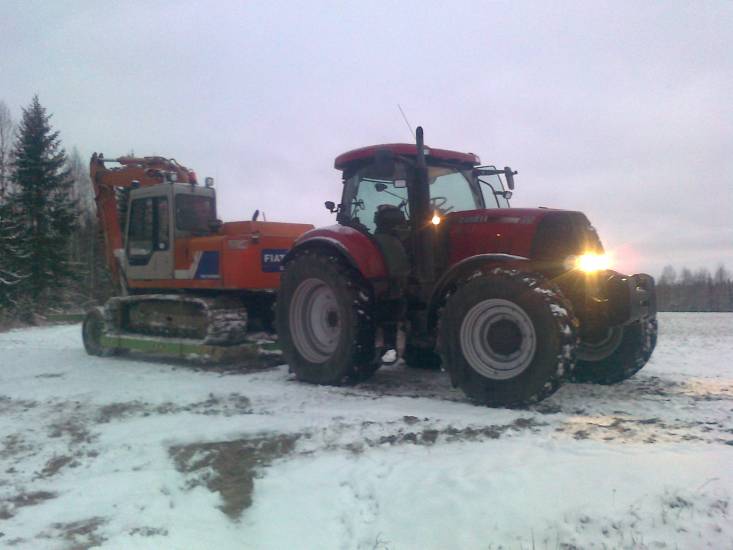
column 508, row 338
column 325, row 320
column 619, row 356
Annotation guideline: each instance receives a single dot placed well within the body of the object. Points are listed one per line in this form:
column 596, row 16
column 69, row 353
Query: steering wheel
column 437, row 203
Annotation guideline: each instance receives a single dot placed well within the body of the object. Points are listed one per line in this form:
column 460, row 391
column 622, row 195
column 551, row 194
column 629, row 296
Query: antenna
column 404, row 117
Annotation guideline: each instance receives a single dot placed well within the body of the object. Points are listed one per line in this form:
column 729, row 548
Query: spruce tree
column 43, row 204
column 13, row 259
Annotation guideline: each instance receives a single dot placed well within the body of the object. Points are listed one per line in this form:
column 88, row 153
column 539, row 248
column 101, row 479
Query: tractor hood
column 540, row 234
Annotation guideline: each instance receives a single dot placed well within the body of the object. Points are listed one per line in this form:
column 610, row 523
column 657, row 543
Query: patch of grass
column 11, row 504
column 55, row 464
column 229, row 467
column 149, row 531
column 78, row 535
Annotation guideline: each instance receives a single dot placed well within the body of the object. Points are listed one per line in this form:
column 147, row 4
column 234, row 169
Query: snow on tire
column 508, row 337
column 634, row 346
column 325, row 321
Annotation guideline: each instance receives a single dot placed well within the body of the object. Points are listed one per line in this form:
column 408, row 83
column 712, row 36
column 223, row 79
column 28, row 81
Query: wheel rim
column 601, row 348
column 498, row 339
column 315, row 323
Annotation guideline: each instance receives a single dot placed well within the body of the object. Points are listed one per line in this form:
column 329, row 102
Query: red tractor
column 511, row 302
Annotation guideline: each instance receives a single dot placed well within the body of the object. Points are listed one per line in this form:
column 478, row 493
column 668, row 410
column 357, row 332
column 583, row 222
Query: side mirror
column 256, row 215
column 509, row 175
column 330, row 206
column 380, row 187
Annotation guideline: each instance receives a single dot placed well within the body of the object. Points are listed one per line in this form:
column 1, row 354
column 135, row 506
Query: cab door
column 149, row 250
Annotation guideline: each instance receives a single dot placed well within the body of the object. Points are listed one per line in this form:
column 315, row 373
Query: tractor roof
column 405, row 149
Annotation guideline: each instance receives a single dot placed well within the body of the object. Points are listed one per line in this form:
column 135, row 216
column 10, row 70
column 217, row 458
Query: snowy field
column 123, row 453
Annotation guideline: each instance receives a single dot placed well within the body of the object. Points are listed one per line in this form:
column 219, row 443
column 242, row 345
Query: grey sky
column 621, row 110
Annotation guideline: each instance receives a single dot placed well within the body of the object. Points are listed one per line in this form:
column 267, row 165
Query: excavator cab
column 161, row 219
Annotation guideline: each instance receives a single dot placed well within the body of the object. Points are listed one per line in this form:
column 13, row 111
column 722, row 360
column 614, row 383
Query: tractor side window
column 450, row 191
column 140, row 233
column 372, row 190
column 193, row 213
column 373, row 193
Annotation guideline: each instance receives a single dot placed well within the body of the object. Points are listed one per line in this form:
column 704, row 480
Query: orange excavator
column 190, row 285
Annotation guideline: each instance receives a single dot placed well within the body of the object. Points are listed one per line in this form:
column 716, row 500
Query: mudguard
column 464, row 268
column 357, row 249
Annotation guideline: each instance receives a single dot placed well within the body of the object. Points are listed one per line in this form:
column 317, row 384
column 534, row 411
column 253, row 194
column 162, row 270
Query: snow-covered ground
column 126, row 453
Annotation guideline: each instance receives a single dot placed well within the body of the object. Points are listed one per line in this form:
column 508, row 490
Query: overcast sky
column 623, row 110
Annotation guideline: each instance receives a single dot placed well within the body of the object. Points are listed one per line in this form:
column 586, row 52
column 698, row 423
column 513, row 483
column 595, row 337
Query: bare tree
column 6, row 138
column 669, row 276
column 81, row 191
column 721, row 275
column 698, row 291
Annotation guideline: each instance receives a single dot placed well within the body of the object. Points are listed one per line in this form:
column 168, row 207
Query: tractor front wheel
column 618, row 356
column 508, row 338
column 325, row 321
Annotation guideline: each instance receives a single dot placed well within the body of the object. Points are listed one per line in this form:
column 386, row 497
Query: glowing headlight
column 589, row 263
column 436, row 218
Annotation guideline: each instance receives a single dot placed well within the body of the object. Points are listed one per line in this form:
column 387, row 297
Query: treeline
column 695, row 291
column 51, row 249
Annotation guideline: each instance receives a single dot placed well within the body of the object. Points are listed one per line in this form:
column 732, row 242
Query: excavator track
column 190, row 327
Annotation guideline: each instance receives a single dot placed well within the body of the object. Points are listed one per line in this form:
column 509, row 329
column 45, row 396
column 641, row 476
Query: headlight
column 590, row 263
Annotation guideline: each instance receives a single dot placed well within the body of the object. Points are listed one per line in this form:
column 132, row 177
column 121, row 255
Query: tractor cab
column 160, row 216
column 380, row 178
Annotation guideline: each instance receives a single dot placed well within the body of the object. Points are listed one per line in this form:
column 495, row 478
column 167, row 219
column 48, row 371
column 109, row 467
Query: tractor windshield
column 451, row 190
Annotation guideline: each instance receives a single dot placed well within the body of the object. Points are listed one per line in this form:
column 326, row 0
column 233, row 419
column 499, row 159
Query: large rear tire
column 325, row 321
column 508, row 338
column 634, row 344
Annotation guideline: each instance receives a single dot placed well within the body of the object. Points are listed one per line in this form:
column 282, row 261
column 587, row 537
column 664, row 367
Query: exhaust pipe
column 423, row 230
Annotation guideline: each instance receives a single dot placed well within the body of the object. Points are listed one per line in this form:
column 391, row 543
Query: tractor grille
column 562, row 234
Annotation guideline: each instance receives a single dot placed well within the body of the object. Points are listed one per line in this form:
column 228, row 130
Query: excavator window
column 148, row 229
column 194, row 213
